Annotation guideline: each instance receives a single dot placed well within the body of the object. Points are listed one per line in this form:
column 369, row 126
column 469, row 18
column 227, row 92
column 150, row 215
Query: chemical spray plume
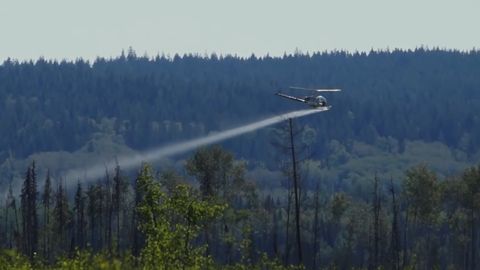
column 129, row 162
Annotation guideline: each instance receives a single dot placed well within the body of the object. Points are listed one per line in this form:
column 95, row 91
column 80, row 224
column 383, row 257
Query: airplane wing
column 316, row 90
column 290, row 97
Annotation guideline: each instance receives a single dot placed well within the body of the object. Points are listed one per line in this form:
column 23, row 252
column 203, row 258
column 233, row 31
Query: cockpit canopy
column 321, row 99
column 318, row 101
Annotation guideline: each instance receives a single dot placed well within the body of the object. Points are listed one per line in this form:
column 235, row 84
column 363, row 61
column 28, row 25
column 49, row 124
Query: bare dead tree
column 296, row 192
column 287, row 142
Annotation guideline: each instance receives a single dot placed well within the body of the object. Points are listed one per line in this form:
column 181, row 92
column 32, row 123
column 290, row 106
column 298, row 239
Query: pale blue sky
column 89, row 28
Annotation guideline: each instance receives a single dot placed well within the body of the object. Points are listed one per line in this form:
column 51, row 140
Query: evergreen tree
column 395, row 247
column 80, row 221
column 29, row 212
column 62, row 220
column 376, row 207
column 46, row 202
column 211, row 168
column 469, row 199
column 119, row 190
column 94, row 213
column 422, row 193
column 108, row 207
column 11, row 227
column 137, row 236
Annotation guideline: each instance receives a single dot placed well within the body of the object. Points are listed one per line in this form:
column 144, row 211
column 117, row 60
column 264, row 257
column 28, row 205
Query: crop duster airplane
column 314, row 101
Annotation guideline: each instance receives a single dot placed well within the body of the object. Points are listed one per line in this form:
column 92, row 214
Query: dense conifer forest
column 429, row 95
column 385, row 180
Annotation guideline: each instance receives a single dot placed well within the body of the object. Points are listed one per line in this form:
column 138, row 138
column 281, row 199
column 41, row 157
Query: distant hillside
column 421, row 95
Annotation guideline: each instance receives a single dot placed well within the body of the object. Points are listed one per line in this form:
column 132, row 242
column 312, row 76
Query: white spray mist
column 129, row 162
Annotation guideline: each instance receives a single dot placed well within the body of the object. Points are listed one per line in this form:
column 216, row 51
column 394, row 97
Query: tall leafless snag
column 286, row 142
column 296, row 192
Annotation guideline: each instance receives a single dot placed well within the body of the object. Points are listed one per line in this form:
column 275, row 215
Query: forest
column 160, row 220
column 387, row 179
column 428, row 95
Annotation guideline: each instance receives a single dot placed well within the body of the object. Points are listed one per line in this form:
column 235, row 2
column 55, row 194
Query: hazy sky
column 89, row 28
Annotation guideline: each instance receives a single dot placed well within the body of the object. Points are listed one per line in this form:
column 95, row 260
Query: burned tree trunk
column 295, row 189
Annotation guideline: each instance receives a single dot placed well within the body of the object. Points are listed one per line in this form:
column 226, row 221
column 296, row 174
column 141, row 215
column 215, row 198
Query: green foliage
column 212, row 167
column 263, row 263
column 12, row 260
column 84, row 260
column 181, row 229
column 422, row 193
column 471, row 187
column 171, row 223
column 338, row 206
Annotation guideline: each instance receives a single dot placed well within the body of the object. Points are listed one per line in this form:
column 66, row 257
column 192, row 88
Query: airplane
column 316, row 102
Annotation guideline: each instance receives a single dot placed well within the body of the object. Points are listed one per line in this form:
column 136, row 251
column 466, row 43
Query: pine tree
column 29, row 212
column 11, row 227
column 395, row 241
column 91, row 213
column 94, row 212
column 210, row 166
column 108, row 207
column 470, row 200
column 136, row 233
column 80, row 221
column 62, row 219
column 376, row 205
column 118, row 196
column 46, row 201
